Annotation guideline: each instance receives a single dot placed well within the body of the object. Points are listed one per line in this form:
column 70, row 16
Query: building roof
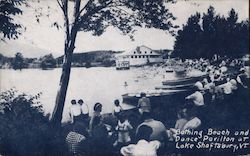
column 140, row 50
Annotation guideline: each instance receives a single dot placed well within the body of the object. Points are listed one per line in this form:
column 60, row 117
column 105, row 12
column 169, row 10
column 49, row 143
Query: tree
column 216, row 35
column 24, row 130
column 96, row 16
column 48, row 61
column 187, row 39
column 18, row 62
column 8, row 27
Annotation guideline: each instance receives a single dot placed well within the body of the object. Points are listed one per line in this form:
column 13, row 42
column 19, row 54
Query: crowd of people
column 215, row 101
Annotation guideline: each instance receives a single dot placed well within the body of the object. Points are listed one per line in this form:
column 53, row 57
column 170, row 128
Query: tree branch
column 86, row 5
column 95, row 10
column 65, row 12
column 60, row 4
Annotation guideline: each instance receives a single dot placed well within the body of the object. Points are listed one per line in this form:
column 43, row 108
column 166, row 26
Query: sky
column 40, row 38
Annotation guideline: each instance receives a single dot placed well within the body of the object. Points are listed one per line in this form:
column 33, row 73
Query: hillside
column 96, row 58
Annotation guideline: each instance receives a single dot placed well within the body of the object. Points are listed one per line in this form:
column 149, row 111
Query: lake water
column 97, row 84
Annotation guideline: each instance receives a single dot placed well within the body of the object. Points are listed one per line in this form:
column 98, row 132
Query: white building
column 140, row 56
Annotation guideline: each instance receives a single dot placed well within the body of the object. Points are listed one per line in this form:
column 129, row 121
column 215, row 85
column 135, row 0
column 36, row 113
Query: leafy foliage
column 18, row 62
column 8, row 27
column 213, row 34
column 126, row 15
column 24, row 130
column 48, row 61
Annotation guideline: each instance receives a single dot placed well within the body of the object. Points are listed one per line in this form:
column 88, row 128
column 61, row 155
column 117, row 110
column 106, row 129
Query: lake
column 96, row 84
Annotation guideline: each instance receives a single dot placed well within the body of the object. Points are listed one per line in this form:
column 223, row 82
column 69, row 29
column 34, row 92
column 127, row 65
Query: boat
column 157, row 97
column 169, row 70
column 180, row 72
column 184, row 81
column 175, row 87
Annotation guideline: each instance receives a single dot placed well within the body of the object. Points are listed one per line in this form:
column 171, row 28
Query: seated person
column 159, row 130
column 197, row 96
column 76, row 138
column 144, row 146
column 189, row 122
column 179, row 125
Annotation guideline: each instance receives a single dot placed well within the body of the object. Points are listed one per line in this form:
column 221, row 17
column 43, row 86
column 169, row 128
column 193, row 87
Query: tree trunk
column 68, row 52
column 63, row 86
column 64, row 81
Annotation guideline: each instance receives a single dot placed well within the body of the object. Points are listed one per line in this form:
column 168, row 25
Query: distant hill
column 102, row 57
column 29, row 51
column 4, row 60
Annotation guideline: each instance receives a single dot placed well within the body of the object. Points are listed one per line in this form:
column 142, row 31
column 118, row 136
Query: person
column 193, row 121
column 95, row 117
column 182, row 119
column 208, row 84
column 75, row 111
column 197, row 97
column 123, row 129
column 159, row 130
column 217, row 78
column 84, row 109
column 227, row 87
column 144, row 146
column 75, row 139
column 179, row 124
column 242, row 78
column 144, row 104
column 117, row 109
column 100, row 143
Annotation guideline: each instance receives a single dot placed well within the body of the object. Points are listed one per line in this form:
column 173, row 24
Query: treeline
column 20, row 62
column 93, row 58
column 210, row 34
column 88, row 59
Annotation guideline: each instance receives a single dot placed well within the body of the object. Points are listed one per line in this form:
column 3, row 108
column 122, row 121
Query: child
column 117, row 109
column 123, row 129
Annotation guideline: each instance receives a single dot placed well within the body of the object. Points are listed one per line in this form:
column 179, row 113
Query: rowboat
column 157, row 97
column 175, row 87
column 184, row 81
